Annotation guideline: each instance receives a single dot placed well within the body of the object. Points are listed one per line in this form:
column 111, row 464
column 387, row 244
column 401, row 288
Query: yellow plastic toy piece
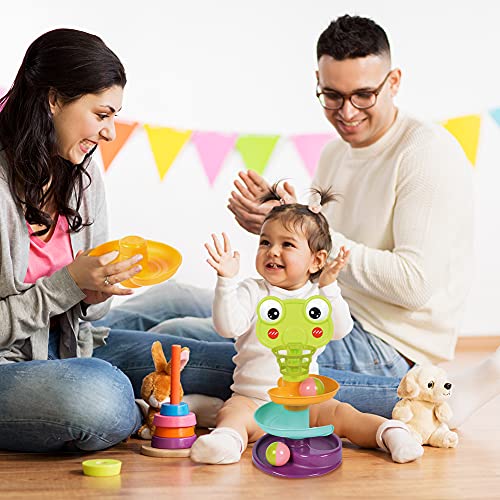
column 102, row 467
column 287, row 393
column 160, row 261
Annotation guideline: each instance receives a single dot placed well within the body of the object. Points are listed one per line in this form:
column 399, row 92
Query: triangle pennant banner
column 466, row 131
column 166, row 143
column 110, row 149
column 256, row 150
column 213, row 147
column 495, row 114
column 309, row 147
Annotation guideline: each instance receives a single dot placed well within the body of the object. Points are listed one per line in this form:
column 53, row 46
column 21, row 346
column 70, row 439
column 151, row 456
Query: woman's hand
column 248, row 211
column 223, row 259
column 98, row 278
column 333, row 267
column 94, row 297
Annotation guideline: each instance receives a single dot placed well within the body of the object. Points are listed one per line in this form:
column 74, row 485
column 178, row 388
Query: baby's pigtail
column 272, row 194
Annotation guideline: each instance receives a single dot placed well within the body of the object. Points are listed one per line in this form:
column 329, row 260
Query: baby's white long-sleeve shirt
column 235, row 316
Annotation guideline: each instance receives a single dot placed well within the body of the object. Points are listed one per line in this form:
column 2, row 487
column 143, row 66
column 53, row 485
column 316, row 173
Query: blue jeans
column 367, row 369
column 88, row 403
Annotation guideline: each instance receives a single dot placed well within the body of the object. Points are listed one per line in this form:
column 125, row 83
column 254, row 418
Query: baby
column 292, row 260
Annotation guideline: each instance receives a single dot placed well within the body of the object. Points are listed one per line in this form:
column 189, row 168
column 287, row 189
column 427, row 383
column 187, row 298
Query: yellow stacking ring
column 102, row 467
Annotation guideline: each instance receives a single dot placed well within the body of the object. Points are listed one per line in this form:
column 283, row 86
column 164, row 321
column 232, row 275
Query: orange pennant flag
column 110, row 149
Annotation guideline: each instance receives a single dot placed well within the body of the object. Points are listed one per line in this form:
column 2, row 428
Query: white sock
column 394, row 437
column 473, row 388
column 204, row 407
column 222, row 446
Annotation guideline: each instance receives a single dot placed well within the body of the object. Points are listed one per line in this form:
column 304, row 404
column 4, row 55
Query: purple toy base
column 309, row 457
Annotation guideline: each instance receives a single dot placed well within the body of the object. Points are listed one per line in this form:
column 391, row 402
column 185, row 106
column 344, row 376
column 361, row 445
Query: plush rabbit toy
column 424, row 409
column 155, row 388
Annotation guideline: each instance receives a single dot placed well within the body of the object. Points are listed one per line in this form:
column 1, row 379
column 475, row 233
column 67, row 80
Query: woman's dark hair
column 298, row 217
column 349, row 37
column 69, row 63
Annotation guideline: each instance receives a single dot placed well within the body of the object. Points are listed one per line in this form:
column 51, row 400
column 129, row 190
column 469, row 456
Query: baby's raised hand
column 222, row 258
column 333, row 267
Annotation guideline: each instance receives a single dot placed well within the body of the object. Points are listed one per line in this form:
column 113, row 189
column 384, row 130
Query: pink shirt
column 47, row 257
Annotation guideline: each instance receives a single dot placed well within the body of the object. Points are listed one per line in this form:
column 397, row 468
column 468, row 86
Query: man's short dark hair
column 350, row 37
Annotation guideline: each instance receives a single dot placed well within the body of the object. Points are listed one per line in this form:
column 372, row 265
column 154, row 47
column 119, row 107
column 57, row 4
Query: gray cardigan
column 26, row 309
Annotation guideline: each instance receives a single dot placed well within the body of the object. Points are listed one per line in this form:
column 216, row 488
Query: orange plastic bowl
column 163, row 262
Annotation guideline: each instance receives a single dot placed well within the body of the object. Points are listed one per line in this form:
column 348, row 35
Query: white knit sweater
column 406, row 213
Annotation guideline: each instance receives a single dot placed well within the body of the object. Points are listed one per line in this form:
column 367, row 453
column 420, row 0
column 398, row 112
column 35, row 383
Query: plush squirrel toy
column 155, row 388
column 424, row 409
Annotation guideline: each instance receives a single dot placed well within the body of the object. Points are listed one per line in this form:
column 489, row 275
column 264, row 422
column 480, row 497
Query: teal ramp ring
column 276, row 420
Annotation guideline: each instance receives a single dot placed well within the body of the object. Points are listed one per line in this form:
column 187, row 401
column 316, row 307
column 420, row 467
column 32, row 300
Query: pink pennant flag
column 2, row 93
column 213, row 147
column 309, row 147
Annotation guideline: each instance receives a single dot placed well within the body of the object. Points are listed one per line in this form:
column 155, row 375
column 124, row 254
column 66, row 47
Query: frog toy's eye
column 271, row 311
column 317, row 310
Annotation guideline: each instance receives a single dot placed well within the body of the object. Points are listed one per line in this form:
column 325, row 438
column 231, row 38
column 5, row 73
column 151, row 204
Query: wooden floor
column 471, row 471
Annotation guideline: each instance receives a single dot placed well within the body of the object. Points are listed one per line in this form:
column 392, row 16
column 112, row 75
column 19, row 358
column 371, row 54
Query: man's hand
column 244, row 203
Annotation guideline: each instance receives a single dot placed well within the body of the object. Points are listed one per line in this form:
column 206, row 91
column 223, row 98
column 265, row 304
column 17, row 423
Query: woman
column 64, row 383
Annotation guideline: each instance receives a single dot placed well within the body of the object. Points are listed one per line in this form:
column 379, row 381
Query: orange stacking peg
column 174, row 424
column 175, row 366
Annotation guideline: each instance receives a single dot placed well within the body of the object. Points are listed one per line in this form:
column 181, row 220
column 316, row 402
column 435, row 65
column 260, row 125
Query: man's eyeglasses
column 362, row 99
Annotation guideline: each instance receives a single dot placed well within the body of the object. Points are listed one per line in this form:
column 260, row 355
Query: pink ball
column 311, row 387
column 278, row 453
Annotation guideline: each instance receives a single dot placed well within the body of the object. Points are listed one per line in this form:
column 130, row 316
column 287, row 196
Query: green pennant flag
column 256, row 150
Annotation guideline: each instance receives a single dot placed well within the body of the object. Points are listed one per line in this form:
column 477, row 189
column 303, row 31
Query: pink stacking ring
column 172, row 443
column 183, row 421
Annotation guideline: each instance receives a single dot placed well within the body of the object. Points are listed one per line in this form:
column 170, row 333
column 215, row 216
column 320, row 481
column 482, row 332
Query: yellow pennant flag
column 166, row 144
column 466, row 131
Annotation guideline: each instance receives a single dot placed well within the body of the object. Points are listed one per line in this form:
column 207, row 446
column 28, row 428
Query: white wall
column 248, row 67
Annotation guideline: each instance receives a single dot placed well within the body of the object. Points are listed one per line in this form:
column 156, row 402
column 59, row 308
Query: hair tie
column 315, row 209
column 315, row 203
